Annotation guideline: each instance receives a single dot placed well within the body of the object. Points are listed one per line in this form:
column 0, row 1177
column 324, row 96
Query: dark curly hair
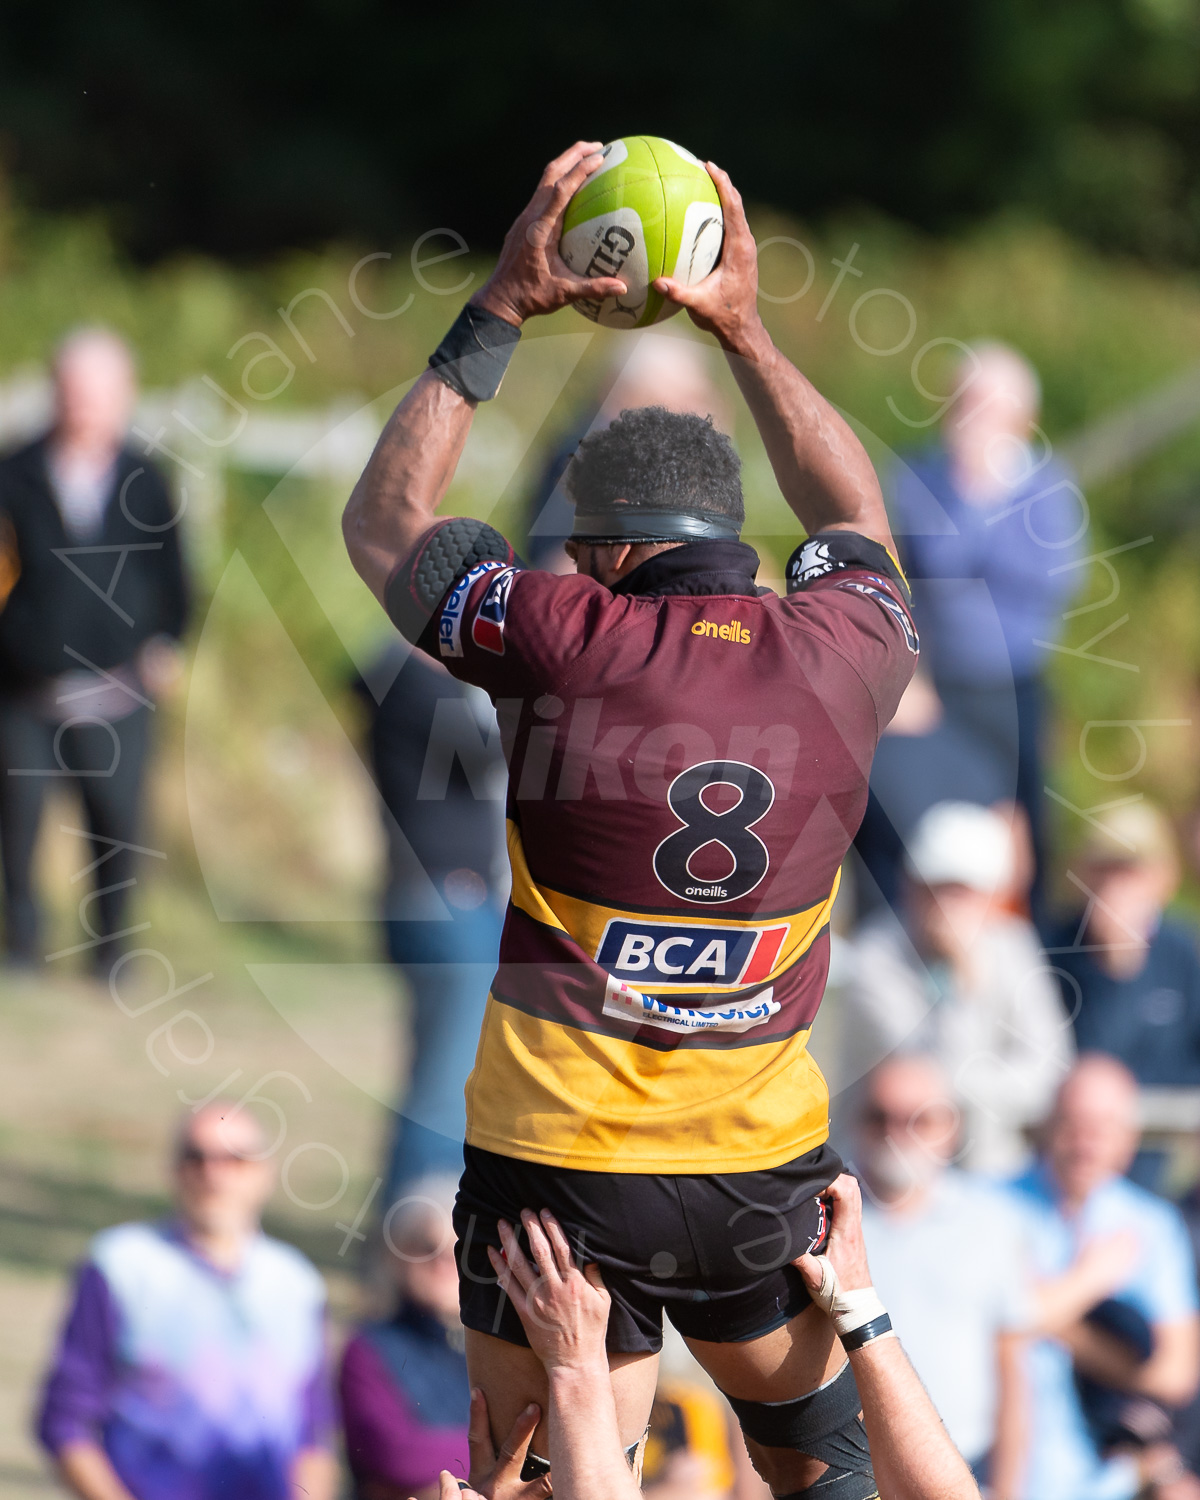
column 666, row 459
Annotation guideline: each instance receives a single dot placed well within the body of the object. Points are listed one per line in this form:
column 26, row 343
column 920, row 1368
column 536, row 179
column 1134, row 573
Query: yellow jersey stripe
column 585, row 921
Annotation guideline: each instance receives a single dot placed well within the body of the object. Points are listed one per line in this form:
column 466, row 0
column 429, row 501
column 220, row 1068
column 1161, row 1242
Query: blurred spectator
column 1117, row 1297
column 655, row 369
column 988, row 525
column 91, row 592
column 404, row 1388
column 962, row 1324
column 192, row 1362
column 922, row 759
column 1187, row 1424
column 440, row 771
column 963, row 980
column 1130, row 974
column 688, row 1454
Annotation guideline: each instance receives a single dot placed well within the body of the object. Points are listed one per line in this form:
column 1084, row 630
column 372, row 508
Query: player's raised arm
column 911, row 1451
column 822, row 468
column 395, row 501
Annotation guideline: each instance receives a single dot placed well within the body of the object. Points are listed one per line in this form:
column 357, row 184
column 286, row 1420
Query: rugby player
column 688, row 761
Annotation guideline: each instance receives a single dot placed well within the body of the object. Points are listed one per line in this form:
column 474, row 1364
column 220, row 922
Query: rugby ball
column 650, row 210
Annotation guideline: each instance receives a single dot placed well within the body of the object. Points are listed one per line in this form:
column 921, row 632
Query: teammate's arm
column 911, row 1452
column 395, row 501
column 564, row 1311
column 821, row 467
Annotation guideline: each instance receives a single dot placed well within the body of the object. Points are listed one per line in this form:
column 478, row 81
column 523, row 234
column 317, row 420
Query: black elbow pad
column 447, row 551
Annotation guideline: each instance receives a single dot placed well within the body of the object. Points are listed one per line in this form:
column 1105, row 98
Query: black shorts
column 713, row 1251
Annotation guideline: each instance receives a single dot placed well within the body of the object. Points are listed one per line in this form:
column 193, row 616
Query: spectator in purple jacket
column 192, row 1363
column 990, row 526
column 404, row 1388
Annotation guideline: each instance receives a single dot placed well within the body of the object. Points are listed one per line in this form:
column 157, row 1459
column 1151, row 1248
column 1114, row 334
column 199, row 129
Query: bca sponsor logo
column 488, row 629
column 623, row 1003
column 666, row 955
column 450, row 620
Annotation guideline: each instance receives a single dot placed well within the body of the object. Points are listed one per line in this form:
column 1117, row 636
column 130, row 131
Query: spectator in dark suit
column 989, row 526
column 439, row 766
column 92, row 593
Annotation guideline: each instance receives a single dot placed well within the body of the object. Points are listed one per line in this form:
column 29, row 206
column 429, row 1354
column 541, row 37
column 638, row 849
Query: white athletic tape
column 849, row 1310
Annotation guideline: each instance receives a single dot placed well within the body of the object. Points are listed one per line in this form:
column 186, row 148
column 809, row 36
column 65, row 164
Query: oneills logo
column 735, row 631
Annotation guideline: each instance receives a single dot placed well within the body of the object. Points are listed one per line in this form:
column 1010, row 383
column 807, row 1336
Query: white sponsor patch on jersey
column 451, row 618
column 623, row 1003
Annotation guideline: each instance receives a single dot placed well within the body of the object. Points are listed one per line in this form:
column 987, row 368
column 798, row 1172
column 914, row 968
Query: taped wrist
column 450, row 549
column 857, row 1316
column 828, row 552
column 826, row 1425
column 474, row 355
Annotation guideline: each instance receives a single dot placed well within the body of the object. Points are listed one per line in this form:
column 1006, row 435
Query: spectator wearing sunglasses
column 947, row 1250
column 192, row 1361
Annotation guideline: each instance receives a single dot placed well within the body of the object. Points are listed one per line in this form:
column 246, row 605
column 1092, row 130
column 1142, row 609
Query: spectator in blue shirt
column 1110, row 1258
column 1130, row 974
column 962, row 1327
column 989, row 525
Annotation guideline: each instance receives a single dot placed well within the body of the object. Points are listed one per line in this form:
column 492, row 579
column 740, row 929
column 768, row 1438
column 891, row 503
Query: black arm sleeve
column 828, row 552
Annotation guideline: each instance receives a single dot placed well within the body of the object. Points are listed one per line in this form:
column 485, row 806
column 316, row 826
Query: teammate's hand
column 563, row 1310
column 497, row 1476
column 844, row 1250
column 531, row 277
column 726, row 301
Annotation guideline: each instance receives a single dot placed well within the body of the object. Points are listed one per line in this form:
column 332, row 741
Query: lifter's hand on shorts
column 531, row 277
column 845, row 1252
column 563, row 1310
column 725, row 303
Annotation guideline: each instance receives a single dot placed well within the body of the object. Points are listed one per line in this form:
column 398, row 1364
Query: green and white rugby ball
column 651, row 210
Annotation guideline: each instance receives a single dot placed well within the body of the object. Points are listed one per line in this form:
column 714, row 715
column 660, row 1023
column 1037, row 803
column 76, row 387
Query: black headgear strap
column 642, row 523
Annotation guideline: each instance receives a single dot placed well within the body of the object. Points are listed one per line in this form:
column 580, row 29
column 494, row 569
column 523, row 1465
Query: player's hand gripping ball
column 651, row 210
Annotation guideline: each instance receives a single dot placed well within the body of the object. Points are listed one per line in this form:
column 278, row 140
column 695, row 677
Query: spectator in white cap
column 963, row 980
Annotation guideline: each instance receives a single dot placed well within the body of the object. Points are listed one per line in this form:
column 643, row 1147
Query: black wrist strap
column 857, row 1337
column 474, row 355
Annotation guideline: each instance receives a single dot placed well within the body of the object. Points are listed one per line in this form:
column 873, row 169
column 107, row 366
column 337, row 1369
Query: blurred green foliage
column 1102, row 330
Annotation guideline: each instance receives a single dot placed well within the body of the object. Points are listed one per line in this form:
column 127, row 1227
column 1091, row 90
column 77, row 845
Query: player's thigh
column 788, row 1362
column 512, row 1376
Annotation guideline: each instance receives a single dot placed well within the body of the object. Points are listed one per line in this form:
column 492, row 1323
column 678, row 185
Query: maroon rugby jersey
column 688, row 763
